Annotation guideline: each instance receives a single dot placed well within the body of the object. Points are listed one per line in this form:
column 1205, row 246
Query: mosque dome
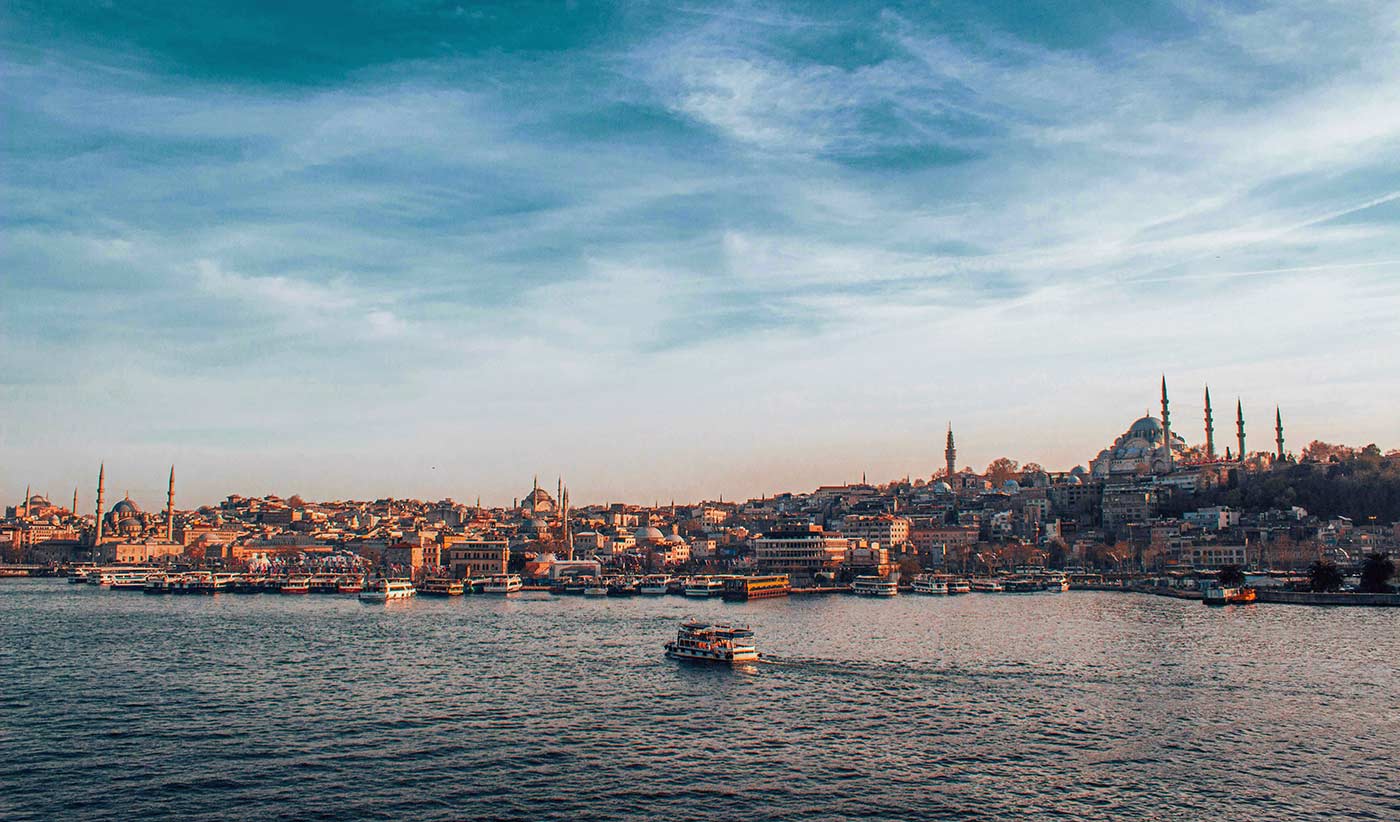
column 1011, row 486
column 647, row 532
column 942, row 487
column 1078, row 471
column 1149, row 428
column 1073, row 479
column 126, row 508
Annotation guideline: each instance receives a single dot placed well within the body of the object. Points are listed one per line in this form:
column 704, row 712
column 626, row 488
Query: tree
column 1230, row 576
column 1376, row 571
column 1324, row 576
column 1002, row 469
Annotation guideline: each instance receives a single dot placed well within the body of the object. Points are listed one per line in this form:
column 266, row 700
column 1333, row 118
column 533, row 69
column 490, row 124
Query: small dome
column 942, row 487
column 1073, row 479
column 1011, row 486
column 648, row 532
column 1079, row 471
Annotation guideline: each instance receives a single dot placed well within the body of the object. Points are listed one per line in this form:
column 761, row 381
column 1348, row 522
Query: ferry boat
column 757, row 587
column 595, row 587
column 1217, row 595
column 1059, row 584
column 349, row 585
column 576, row 586
column 987, row 586
column 1023, row 585
column 383, row 590
column 930, row 584
column 295, row 585
column 701, row 587
column 959, row 586
column 324, row 584
column 654, row 585
column 123, row 580
column 441, row 587
column 159, row 584
column 503, row 584
column 875, row 586
column 622, row 587
column 713, row 643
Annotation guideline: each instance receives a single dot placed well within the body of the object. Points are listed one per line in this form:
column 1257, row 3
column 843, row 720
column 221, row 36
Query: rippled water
column 118, row 705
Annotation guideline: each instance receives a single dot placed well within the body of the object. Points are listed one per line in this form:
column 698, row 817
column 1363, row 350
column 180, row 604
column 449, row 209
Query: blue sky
column 680, row 249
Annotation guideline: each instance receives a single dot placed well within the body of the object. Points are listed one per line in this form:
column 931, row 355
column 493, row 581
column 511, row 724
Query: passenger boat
column 384, row 590
column 654, row 585
column 575, row 586
column 295, row 585
column 1023, row 585
column 622, row 587
column 701, row 587
column 324, row 584
column 930, row 584
column 959, row 586
column 79, row 576
column 123, row 580
column 595, row 587
column 875, row 586
column 987, row 586
column 1057, row 583
column 757, row 587
column 158, row 584
column 503, row 584
column 441, row 587
column 1217, row 595
column 713, row 643
column 349, row 585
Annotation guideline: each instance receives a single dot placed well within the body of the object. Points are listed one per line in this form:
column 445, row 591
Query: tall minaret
column 1278, row 431
column 101, row 478
column 170, row 508
column 26, row 502
column 1239, row 427
column 951, row 454
column 1166, row 424
column 1210, row 429
column 74, row 509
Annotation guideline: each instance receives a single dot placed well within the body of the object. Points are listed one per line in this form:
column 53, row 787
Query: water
column 117, row 705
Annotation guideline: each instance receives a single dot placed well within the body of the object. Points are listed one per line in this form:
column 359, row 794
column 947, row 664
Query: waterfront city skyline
column 670, row 252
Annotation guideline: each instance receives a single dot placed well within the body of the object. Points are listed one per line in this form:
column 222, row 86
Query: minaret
column 170, row 508
column 74, row 509
column 101, row 478
column 1166, row 424
column 1278, row 431
column 1210, row 429
column 26, row 502
column 951, row 454
column 1239, row 427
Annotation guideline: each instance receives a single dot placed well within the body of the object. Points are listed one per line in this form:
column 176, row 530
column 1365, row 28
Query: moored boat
column 959, row 586
column 870, row 585
column 713, row 643
column 384, row 590
column 1220, row 595
column 349, row 585
column 987, row 586
column 654, row 585
column 704, row 586
column 295, row 585
column 930, row 584
column 441, row 587
column 503, row 584
column 757, row 587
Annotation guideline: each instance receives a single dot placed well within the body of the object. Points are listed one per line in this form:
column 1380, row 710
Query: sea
column 1080, row 705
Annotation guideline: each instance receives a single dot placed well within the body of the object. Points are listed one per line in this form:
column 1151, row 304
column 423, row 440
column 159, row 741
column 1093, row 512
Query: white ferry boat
column 701, row 587
column 654, row 585
column 987, row 586
column 930, row 584
column 713, row 643
column 959, row 586
column 595, row 587
column 126, row 580
column 383, row 590
column 1058, row 584
column 503, row 584
column 875, row 586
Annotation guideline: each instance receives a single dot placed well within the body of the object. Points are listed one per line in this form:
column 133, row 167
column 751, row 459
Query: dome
column 1073, row 479
column 126, row 508
column 1011, row 486
column 647, row 532
column 1148, row 428
column 1078, row 471
column 942, row 487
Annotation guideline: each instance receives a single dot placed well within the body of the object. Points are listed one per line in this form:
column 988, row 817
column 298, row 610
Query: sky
column 680, row 250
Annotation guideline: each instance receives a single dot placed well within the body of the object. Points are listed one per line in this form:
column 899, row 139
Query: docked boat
column 757, row 587
column 503, row 584
column 158, row 584
column 871, row 585
column 654, row 585
column 325, row 584
column 1023, row 585
column 384, row 590
column 295, row 585
column 959, row 586
column 123, row 580
column 622, row 587
column 595, row 587
column 713, row 643
column 349, row 585
column 701, row 587
column 441, row 587
column 1218, row 595
column 575, row 586
column 1056, row 583
column 930, row 584
column 987, row 586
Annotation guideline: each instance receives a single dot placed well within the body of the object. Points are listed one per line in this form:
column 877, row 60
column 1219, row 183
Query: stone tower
column 170, row 508
column 1210, row 428
column 1239, row 428
column 1166, row 424
column 101, row 478
column 951, row 454
column 1278, row 431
